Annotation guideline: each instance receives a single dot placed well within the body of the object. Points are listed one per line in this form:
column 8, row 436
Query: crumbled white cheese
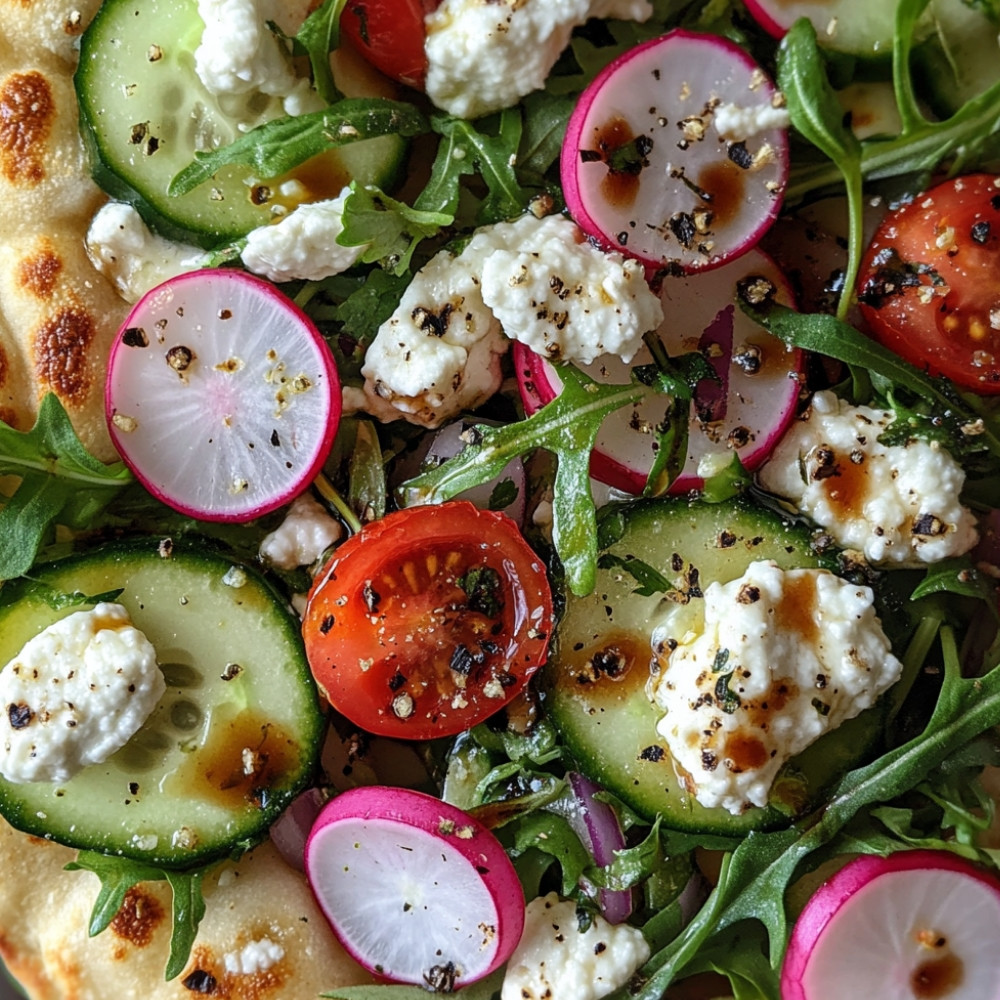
column 439, row 353
column 303, row 244
column 899, row 505
column 123, row 249
column 536, row 280
column 484, row 55
column 75, row 694
column 561, row 296
column 254, row 957
column 735, row 123
column 758, row 670
column 556, row 960
column 302, row 537
column 240, row 56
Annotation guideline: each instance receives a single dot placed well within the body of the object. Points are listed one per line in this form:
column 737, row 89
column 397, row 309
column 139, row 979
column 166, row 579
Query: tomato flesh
column 428, row 621
column 390, row 35
column 930, row 282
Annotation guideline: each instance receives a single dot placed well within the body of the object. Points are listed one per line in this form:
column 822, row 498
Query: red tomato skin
column 386, row 621
column 929, row 287
column 390, row 35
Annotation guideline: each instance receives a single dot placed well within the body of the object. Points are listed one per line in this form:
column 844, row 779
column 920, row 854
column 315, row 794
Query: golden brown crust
column 58, row 315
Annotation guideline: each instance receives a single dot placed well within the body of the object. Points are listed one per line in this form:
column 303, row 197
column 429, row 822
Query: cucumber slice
column 178, row 793
column 609, row 724
column 960, row 59
column 145, row 113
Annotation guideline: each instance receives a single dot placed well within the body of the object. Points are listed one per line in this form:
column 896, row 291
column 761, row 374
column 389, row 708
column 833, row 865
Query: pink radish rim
column 324, row 356
column 827, row 901
column 420, row 811
column 574, row 129
column 759, row 12
column 536, row 390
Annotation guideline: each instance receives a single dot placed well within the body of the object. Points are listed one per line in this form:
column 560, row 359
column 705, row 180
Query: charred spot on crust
column 138, row 917
column 27, row 111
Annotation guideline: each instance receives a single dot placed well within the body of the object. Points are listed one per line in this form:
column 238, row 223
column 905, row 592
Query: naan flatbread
column 258, row 902
column 58, row 316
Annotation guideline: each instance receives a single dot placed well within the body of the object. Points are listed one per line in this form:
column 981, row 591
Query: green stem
column 332, row 496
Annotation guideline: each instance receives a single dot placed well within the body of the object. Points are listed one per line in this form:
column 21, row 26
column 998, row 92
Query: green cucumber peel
column 60, row 482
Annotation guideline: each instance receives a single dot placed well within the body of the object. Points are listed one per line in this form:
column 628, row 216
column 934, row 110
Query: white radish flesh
column 222, row 397
column 745, row 412
column 918, row 925
column 645, row 168
column 415, row 889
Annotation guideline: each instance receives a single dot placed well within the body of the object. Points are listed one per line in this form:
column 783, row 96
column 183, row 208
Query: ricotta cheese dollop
column 484, row 55
column 555, row 959
column 76, row 693
column 536, row 280
column 240, row 56
column 122, row 247
column 897, row 504
column 758, row 670
column 302, row 244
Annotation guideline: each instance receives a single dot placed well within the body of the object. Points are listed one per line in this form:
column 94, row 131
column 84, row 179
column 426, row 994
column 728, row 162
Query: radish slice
column 918, row 924
column 645, row 168
column 415, row 889
column 860, row 27
column 222, row 397
column 759, row 375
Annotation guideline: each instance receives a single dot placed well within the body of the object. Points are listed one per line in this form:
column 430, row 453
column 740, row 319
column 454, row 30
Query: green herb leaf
column 60, row 483
column 279, row 146
column 366, row 476
column 567, row 427
column 390, row 230
column 827, row 335
column 491, row 156
column 118, row 875
column 319, row 36
column 188, row 910
column 816, row 114
column 651, row 581
column 58, row 600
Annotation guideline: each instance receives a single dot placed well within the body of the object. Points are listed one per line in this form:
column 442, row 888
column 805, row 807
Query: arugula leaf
column 58, row 600
column 651, row 581
column 118, row 875
column 388, row 229
column 319, row 36
column 188, row 911
column 60, row 483
column 567, row 427
column 366, row 476
column 491, row 156
column 817, row 114
column 827, row 335
column 278, row 146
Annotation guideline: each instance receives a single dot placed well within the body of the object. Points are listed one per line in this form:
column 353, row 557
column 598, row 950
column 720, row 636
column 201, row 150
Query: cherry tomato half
column 428, row 621
column 390, row 34
column 930, row 282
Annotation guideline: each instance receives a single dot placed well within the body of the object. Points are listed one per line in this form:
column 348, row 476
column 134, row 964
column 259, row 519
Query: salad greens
column 923, row 791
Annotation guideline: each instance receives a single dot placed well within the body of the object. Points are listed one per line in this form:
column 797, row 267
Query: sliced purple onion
column 291, row 829
column 597, row 826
